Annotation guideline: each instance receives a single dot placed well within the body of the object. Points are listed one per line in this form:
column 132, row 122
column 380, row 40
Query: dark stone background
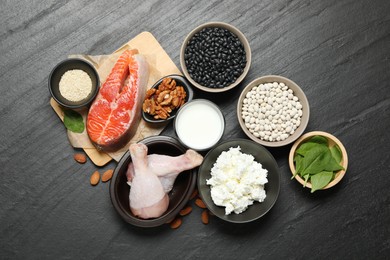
column 337, row 51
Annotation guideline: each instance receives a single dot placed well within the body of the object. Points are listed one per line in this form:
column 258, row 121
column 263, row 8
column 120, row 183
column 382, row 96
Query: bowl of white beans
column 273, row 111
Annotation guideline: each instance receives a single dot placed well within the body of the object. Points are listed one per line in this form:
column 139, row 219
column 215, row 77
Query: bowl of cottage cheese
column 239, row 181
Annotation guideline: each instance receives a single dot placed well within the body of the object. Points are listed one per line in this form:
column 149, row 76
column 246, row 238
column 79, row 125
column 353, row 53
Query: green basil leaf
column 336, row 153
column 73, row 121
column 320, row 180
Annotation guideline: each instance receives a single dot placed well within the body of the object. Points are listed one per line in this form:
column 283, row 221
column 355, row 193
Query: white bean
column 271, row 111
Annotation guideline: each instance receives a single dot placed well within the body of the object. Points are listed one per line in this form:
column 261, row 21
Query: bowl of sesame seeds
column 74, row 83
column 273, row 111
column 215, row 57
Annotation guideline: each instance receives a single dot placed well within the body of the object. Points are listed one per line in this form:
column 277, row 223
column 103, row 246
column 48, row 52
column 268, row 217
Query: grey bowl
column 261, row 155
column 298, row 92
column 240, row 36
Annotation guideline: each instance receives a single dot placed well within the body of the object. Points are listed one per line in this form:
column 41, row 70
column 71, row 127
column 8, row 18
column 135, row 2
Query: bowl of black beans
column 215, row 57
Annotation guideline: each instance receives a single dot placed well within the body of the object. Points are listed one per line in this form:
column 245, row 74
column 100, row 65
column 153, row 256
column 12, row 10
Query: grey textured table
column 337, row 51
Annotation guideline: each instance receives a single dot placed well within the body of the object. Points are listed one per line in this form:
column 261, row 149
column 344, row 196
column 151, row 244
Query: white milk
column 199, row 124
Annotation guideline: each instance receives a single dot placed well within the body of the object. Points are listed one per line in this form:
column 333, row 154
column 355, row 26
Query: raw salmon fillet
column 114, row 115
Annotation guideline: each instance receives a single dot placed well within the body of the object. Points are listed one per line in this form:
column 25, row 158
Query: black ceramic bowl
column 178, row 197
column 180, row 81
column 261, row 155
column 71, row 64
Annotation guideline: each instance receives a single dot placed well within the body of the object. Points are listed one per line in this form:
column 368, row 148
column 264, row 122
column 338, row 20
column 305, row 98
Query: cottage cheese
column 237, row 180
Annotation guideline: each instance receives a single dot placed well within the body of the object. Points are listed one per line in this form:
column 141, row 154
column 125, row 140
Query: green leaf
column 320, row 180
column 305, row 148
column 333, row 165
column 73, row 121
column 336, row 153
column 306, row 178
column 298, row 164
column 319, row 140
column 316, row 160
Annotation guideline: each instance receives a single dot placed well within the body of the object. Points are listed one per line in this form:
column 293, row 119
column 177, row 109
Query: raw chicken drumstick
column 163, row 168
column 147, row 196
column 167, row 168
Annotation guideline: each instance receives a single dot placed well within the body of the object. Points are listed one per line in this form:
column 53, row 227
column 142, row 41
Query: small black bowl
column 180, row 81
column 261, row 155
column 71, row 64
column 178, row 197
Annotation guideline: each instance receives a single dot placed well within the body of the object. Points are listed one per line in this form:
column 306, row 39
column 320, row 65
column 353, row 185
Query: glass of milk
column 199, row 124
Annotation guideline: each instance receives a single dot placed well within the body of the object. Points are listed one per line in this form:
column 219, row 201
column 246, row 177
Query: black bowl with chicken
column 183, row 187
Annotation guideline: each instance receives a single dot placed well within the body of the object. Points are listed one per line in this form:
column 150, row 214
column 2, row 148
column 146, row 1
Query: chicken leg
column 147, row 196
column 167, row 168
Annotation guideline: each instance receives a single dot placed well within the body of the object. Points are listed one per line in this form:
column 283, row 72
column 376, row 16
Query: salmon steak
column 114, row 115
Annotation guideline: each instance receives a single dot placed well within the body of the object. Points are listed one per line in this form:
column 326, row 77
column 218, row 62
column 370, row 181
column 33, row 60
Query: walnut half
column 162, row 101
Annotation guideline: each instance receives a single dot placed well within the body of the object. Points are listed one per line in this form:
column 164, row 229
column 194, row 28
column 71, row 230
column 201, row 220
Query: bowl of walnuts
column 165, row 97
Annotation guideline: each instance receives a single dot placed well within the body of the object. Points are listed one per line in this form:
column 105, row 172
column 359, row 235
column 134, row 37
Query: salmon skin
column 114, row 115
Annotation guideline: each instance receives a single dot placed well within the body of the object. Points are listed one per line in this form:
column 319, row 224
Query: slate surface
column 337, row 51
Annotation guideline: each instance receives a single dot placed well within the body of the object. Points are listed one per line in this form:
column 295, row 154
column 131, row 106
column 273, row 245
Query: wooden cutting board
column 160, row 65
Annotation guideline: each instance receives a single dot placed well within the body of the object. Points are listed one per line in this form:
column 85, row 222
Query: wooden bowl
column 332, row 140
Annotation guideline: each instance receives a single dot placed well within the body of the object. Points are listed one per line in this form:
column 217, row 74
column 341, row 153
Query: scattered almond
column 187, row 210
column 176, row 223
column 194, row 194
column 95, row 177
column 205, row 217
column 200, row 203
column 107, row 175
column 80, row 158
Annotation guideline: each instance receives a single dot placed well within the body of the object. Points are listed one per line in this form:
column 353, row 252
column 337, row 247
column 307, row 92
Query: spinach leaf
column 306, row 178
column 305, row 148
column 320, row 180
column 336, row 153
column 332, row 164
column 73, row 121
column 298, row 164
column 315, row 160
column 319, row 140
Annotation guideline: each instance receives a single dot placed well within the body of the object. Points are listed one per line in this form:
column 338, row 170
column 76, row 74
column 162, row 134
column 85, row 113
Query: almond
column 184, row 212
column 176, row 223
column 205, row 217
column 194, row 194
column 107, row 175
column 200, row 203
column 80, row 158
column 95, row 177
